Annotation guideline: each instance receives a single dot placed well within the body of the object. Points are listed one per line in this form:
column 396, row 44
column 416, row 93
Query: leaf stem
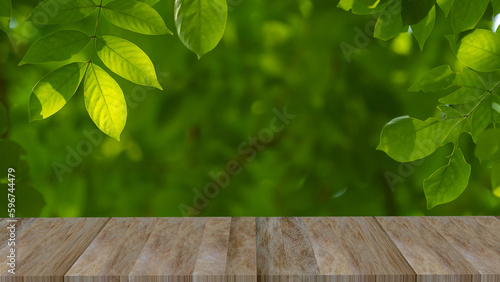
column 94, row 37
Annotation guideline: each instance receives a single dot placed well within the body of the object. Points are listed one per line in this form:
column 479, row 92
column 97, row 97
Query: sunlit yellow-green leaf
column 479, row 50
column 58, row 46
column 127, row 60
column 61, row 11
column 135, row 16
column 54, row 90
column 105, row 102
column 200, row 23
column 448, row 182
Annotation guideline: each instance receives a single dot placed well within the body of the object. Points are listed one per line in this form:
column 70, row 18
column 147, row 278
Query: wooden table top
column 336, row 249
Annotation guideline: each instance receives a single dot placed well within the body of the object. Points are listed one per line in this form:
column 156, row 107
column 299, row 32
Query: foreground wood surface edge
column 249, row 249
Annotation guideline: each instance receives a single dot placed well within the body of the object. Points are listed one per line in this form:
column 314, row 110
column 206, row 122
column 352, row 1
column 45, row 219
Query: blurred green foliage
column 274, row 54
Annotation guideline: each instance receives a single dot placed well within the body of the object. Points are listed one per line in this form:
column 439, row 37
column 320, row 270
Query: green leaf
column 484, row 114
column 54, row 90
column 61, row 11
column 472, row 87
column 445, row 6
column 407, row 139
column 150, row 2
column 135, row 16
column 4, row 119
column 127, row 60
column 367, row 7
column 423, row 29
column 466, row 14
column 437, row 79
column 479, row 50
column 346, row 5
column 58, row 46
column 496, row 6
column 488, row 147
column 200, row 23
column 105, row 102
column 364, row 7
column 389, row 24
column 5, row 14
column 448, row 182
column 414, row 11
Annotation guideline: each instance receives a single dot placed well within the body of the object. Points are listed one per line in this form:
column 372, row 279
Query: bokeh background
column 274, row 54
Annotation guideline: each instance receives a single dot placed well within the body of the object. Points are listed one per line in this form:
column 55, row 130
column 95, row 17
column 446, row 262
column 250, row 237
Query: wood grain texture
column 479, row 246
column 431, row 256
column 49, row 247
column 322, row 249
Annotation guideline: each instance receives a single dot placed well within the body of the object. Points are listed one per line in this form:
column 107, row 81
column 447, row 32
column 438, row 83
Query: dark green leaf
column 483, row 115
column 479, row 50
column 389, row 24
column 472, row 88
column 200, row 23
column 135, row 16
column 423, row 29
column 466, row 14
column 448, row 182
column 150, row 2
column 105, row 102
column 496, row 6
column 58, row 46
column 61, row 11
column 488, row 147
column 127, row 60
column 413, row 11
column 437, row 79
column 5, row 14
column 445, row 5
column 53, row 91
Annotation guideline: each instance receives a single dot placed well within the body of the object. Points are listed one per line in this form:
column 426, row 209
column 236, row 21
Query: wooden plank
column 431, row 256
column 476, row 243
column 423, row 249
column 271, row 257
column 113, row 253
column 149, row 265
column 211, row 259
column 489, row 222
column 316, row 248
column 242, row 254
column 47, row 248
column 326, row 246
